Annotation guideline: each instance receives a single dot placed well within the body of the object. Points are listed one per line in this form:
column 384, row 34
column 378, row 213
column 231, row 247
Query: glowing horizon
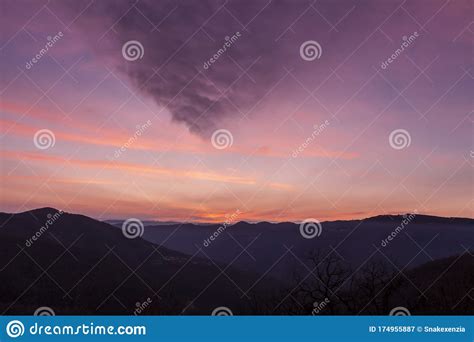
column 305, row 137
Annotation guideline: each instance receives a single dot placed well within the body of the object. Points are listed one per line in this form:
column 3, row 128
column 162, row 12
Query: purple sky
column 134, row 137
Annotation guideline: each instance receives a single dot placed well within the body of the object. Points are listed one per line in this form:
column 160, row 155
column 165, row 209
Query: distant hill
column 118, row 223
column 440, row 287
column 422, row 239
column 78, row 265
column 448, row 286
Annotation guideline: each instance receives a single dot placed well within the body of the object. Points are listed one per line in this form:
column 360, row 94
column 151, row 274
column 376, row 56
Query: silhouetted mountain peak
column 38, row 211
column 419, row 218
column 243, row 224
column 91, row 257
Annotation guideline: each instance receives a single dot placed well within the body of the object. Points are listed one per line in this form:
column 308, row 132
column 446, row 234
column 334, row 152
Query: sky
column 275, row 110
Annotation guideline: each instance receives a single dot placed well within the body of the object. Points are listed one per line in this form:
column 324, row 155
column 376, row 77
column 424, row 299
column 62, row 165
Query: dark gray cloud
column 199, row 50
column 181, row 40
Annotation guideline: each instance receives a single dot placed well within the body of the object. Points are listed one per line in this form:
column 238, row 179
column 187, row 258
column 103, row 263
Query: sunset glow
column 337, row 112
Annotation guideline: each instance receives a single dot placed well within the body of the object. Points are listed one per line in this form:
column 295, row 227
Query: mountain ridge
column 379, row 218
column 79, row 265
